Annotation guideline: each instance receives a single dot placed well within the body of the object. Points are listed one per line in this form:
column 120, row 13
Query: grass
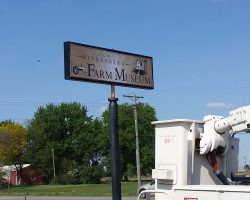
column 128, row 189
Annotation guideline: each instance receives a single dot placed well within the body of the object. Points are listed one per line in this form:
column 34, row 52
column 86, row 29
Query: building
column 29, row 175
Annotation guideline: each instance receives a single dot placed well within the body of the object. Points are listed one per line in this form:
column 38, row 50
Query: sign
column 94, row 64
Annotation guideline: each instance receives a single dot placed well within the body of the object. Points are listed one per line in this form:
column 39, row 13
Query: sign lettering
column 95, row 64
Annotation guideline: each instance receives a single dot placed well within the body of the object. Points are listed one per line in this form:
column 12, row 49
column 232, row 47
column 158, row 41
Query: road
column 59, row 198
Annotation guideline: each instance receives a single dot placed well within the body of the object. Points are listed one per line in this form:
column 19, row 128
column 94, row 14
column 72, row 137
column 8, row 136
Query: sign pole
column 114, row 138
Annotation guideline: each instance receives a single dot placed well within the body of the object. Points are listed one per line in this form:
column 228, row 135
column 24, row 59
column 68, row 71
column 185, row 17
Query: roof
column 12, row 167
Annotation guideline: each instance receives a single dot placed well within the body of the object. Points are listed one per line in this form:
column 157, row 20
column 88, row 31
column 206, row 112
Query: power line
column 29, row 103
column 213, row 85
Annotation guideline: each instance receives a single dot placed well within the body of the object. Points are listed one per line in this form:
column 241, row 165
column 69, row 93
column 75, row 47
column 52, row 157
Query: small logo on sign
column 190, row 198
column 77, row 69
column 140, row 67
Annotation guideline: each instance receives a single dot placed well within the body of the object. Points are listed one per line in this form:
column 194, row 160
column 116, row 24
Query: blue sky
column 200, row 49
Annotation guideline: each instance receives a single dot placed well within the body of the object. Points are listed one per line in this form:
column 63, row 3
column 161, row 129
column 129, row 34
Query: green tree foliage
column 8, row 121
column 80, row 143
column 146, row 114
column 247, row 167
column 74, row 136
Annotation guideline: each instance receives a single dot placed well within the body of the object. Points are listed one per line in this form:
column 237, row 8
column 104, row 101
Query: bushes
column 3, row 182
column 84, row 175
column 91, row 174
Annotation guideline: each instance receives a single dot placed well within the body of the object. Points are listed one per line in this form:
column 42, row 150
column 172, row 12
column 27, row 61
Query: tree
column 72, row 134
column 8, row 121
column 146, row 114
column 13, row 142
column 247, row 167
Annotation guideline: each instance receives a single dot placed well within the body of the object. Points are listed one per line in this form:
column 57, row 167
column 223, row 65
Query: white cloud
column 219, row 105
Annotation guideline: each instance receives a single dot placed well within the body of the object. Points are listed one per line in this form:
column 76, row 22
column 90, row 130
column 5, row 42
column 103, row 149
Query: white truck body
column 195, row 160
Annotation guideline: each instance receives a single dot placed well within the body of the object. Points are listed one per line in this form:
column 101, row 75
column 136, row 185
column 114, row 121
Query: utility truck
column 198, row 160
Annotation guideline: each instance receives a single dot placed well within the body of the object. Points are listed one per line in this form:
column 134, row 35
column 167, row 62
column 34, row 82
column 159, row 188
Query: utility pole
column 138, row 164
column 53, row 158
